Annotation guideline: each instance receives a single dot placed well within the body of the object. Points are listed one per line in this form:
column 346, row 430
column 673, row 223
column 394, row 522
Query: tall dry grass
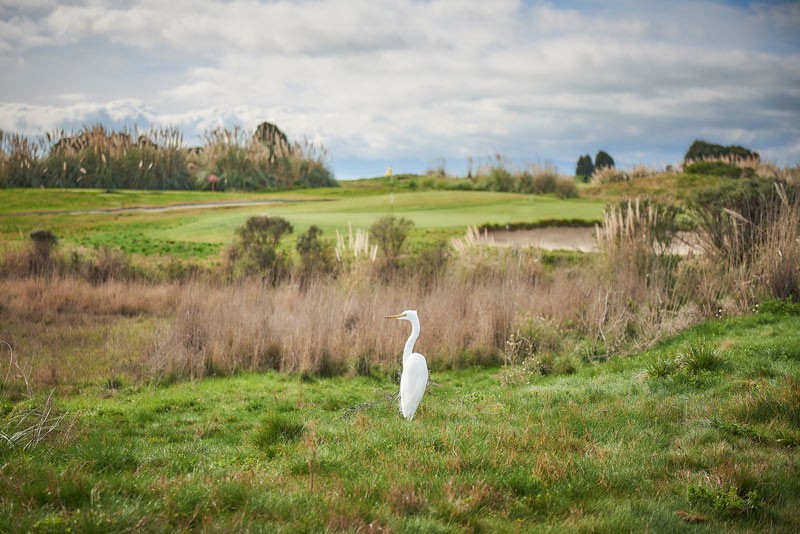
column 158, row 158
column 43, row 299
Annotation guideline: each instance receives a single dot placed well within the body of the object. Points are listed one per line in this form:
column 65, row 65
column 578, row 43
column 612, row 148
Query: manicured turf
column 428, row 210
column 28, row 200
column 201, row 233
column 709, row 445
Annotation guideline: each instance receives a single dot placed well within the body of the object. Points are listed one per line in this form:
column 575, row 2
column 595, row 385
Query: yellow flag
column 389, row 172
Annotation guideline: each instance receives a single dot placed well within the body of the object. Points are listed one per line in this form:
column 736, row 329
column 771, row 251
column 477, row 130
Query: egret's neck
column 409, row 348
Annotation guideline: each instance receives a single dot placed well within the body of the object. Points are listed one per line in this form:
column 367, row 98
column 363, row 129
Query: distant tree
column 602, row 159
column 585, row 167
column 701, row 150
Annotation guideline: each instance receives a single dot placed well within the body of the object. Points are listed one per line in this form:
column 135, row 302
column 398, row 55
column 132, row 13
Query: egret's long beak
column 395, row 316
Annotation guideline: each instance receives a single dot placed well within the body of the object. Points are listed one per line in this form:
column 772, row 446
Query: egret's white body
column 415, row 369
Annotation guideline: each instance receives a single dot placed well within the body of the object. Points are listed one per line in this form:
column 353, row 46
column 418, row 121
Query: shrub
column 390, row 232
column 544, row 181
column 751, row 222
column 608, row 175
column 254, row 251
column 566, row 187
column 717, row 168
column 157, row 159
column 499, row 179
column 701, row 150
column 780, row 306
column 525, row 183
column 316, row 256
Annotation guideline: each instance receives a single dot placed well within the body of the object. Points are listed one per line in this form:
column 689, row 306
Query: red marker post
column 213, row 178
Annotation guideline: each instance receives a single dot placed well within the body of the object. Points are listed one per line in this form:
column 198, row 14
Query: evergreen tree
column 603, row 160
column 585, row 167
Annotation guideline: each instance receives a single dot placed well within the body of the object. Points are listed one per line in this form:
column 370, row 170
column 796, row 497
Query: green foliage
column 566, row 187
column 718, row 168
column 277, row 429
column 316, row 256
column 698, row 356
column 780, row 306
column 498, row 179
column 700, row 150
column 694, row 358
column 157, row 160
column 731, row 213
column 544, row 181
column 726, row 503
column 245, row 453
column 603, row 160
column 542, row 223
column 255, row 250
column 585, row 167
column 390, row 233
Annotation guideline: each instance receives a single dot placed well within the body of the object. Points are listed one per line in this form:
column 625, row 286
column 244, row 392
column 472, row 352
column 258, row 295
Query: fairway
column 200, row 232
column 451, row 210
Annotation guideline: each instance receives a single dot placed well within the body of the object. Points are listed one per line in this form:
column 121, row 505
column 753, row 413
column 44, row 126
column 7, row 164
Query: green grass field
column 201, row 233
column 672, row 440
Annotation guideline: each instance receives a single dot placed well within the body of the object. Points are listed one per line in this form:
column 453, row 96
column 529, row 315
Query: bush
column 525, row 183
column 608, row 175
column 254, row 251
column 316, row 256
column 718, row 168
column 734, row 217
column 701, row 150
column 780, row 306
column 544, row 181
column 566, row 187
column 390, row 232
column 498, row 179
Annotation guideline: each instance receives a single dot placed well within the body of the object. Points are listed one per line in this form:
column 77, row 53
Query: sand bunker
column 580, row 239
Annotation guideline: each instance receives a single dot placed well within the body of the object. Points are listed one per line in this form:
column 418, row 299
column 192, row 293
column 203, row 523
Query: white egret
column 415, row 368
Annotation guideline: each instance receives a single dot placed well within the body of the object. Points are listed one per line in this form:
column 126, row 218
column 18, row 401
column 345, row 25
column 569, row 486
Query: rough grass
column 665, row 187
column 604, row 449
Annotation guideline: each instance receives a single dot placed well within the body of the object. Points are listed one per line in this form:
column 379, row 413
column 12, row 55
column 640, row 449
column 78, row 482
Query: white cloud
column 383, row 79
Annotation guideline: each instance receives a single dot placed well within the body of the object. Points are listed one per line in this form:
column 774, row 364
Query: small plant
column 739, row 429
column 661, row 367
column 391, row 232
column 699, row 356
column 779, row 307
column 728, row 503
column 276, row 429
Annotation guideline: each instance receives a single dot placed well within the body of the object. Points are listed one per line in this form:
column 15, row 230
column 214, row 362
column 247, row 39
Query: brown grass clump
column 45, row 299
column 608, row 175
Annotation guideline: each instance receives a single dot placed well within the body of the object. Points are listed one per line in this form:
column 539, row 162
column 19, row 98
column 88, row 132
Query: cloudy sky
column 407, row 83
